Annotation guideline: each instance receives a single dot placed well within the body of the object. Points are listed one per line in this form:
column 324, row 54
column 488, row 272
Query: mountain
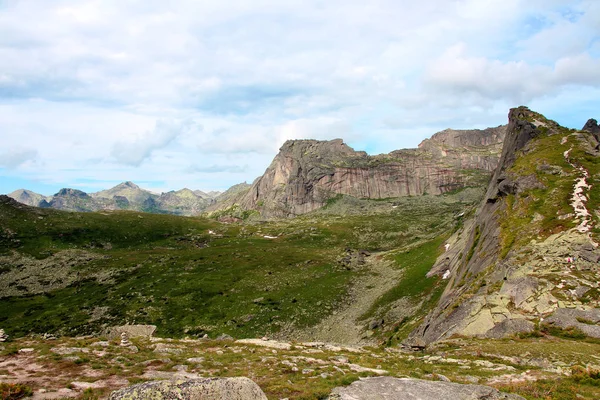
column 28, row 197
column 124, row 196
column 183, row 202
column 135, row 196
column 307, row 173
column 77, row 200
column 528, row 260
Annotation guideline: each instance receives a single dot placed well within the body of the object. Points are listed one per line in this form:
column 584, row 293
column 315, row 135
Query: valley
column 472, row 259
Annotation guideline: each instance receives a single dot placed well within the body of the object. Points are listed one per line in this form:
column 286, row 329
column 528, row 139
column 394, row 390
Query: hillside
column 78, row 273
column 528, row 260
column 306, row 174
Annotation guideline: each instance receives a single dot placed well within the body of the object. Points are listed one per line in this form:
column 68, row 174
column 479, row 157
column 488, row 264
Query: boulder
column 132, row 331
column 510, row 327
column 387, row 388
column 195, row 389
column 587, row 321
column 591, row 256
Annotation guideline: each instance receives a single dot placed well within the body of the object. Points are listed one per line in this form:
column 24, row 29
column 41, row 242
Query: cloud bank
column 202, row 94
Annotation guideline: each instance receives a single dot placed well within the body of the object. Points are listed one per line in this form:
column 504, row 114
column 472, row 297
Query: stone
column 592, row 126
column 125, row 340
column 510, row 327
column 591, row 256
column 194, row 389
column 388, row 388
column 225, row 336
column 376, row 324
column 572, row 318
column 132, row 331
column 3, row 336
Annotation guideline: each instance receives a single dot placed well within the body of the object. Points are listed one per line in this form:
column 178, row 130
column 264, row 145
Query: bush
column 13, row 391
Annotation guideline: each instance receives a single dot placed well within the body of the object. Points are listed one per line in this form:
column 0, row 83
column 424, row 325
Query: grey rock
column 571, row 318
column 510, row 327
column 591, row 256
column 196, row 389
column 591, row 126
column 307, row 173
column 387, row 388
column 131, row 331
column 376, row 324
column 3, row 336
column 225, row 336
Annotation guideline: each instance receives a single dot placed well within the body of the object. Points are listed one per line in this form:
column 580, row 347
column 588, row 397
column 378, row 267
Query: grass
column 548, row 203
column 308, row 373
column 414, row 286
column 171, row 272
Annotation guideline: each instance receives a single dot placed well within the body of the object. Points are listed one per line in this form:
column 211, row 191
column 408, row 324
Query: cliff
column 306, row 173
column 530, row 252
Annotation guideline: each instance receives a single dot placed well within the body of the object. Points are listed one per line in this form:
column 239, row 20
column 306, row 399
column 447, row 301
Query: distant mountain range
column 124, row 196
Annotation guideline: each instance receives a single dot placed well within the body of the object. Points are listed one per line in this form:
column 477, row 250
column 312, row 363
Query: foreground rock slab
column 196, row 389
column 387, row 388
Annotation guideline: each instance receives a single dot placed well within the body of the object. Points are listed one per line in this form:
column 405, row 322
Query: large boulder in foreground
column 387, row 388
column 195, row 389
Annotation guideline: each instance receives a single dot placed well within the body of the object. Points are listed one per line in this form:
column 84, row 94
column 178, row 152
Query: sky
column 201, row 94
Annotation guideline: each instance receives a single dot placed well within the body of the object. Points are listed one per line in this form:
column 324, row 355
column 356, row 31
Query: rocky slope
column 528, row 259
column 125, row 196
column 307, row 173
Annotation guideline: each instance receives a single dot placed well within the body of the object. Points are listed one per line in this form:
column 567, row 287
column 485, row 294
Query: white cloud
column 140, row 147
column 17, row 157
column 87, row 83
column 517, row 81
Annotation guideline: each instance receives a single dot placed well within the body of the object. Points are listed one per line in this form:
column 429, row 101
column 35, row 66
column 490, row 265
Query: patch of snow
column 446, row 275
column 270, row 237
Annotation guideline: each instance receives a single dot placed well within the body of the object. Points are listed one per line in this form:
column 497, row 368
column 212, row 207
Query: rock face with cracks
column 307, row 173
column 387, row 388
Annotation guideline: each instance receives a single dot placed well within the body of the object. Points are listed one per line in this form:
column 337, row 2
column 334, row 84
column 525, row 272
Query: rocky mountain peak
column 68, row 192
column 306, row 173
column 505, row 267
column 592, row 126
column 128, row 185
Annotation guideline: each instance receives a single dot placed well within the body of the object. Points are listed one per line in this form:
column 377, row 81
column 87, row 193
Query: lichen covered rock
column 196, row 389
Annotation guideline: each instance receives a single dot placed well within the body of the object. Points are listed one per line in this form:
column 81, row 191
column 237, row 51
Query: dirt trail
column 580, row 197
column 344, row 326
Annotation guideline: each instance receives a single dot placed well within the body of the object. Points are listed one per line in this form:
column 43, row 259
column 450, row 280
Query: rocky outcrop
column 387, row 388
column 307, row 173
column 587, row 321
column 592, row 126
column 197, row 389
column 131, row 330
column 516, row 261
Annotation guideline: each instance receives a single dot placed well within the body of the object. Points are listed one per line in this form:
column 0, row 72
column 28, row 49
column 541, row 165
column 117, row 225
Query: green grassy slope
column 172, row 272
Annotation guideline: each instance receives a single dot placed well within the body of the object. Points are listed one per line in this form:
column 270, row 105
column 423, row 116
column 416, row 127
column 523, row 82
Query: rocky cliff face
column 530, row 252
column 306, row 173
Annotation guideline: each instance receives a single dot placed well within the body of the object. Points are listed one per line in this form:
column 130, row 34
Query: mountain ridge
column 124, row 196
column 305, row 174
column 528, row 255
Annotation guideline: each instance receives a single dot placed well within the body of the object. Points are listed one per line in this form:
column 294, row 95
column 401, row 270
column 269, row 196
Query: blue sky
column 202, row 94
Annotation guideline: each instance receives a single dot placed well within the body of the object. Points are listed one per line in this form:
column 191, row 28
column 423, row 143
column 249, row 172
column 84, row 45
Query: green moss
column 476, row 238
